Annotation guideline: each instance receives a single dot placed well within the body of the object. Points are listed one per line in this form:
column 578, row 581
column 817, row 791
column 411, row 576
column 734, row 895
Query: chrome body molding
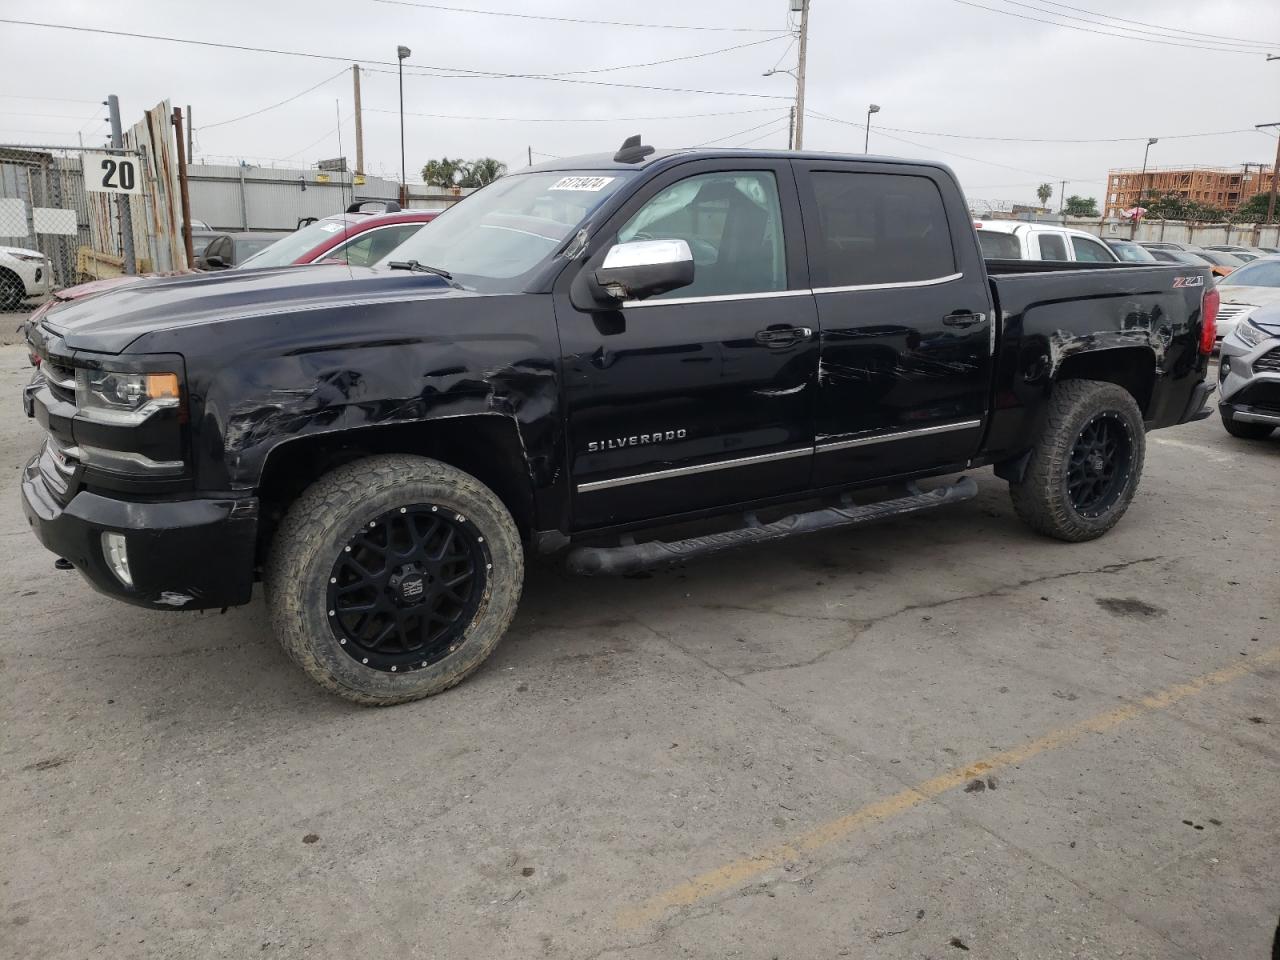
column 808, row 291
column 824, row 445
column 906, row 284
column 827, row 445
column 690, row 471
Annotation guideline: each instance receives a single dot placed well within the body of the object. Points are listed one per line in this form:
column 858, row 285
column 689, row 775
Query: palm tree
column 1044, row 192
column 443, row 172
column 481, row 172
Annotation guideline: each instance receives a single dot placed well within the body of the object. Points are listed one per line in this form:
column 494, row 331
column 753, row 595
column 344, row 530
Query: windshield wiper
column 417, row 267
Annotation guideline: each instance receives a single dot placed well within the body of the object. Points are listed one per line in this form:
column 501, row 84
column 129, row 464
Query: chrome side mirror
column 645, row 268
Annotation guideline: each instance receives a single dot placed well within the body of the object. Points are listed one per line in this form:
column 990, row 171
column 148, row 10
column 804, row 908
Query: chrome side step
column 629, row 558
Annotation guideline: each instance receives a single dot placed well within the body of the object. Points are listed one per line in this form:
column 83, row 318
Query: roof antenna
column 632, row 150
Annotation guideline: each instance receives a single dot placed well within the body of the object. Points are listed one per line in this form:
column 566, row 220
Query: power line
column 730, row 136
column 1142, row 23
column 674, row 116
column 550, row 19
column 766, row 135
column 485, row 75
column 246, row 116
column 1163, row 136
column 1162, row 33
column 952, row 153
column 1103, row 33
column 658, row 63
column 18, row 96
column 448, row 72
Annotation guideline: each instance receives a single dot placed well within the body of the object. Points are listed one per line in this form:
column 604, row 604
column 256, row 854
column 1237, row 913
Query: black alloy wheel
column 404, row 590
column 1098, row 468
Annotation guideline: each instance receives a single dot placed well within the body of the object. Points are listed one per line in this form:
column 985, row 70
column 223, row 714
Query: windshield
column 1220, row 258
column 999, row 246
column 1260, row 273
column 491, row 240
column 284, row 251
column 1131, row 252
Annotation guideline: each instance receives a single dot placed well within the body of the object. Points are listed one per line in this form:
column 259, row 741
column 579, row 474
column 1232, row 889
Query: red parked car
column 358, row 237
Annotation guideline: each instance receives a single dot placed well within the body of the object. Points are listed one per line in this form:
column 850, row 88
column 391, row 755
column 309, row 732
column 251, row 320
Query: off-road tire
column 1041, row 498
column 12, row 290
column 1245, row 430
column 335, row 509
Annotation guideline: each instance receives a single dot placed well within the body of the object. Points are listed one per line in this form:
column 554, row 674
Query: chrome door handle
column 960, row 319
column 783, row 336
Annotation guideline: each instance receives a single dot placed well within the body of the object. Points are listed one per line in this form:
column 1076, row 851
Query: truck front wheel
column 393, row 578
column 1085, row 465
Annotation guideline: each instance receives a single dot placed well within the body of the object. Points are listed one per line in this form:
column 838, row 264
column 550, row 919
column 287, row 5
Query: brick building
column 1224, row 187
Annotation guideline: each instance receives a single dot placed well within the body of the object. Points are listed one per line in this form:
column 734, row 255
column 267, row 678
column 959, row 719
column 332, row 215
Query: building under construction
column 1225, row 187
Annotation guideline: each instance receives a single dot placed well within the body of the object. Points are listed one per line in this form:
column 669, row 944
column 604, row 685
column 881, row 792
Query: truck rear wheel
column 1086, row 464
column 393, row 578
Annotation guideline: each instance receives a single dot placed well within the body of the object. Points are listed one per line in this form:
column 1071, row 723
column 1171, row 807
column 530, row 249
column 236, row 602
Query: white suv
column 1019, row 240
column 24, row 274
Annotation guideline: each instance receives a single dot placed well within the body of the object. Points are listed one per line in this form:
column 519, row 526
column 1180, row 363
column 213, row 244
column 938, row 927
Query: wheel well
column 1133, row 368
column 487, row 447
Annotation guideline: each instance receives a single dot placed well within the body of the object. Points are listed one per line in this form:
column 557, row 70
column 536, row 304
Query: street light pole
column 1142, row 183
column 401, row 53
column 866, row 141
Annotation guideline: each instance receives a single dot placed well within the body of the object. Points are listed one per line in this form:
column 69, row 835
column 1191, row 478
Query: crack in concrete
column 864, row 625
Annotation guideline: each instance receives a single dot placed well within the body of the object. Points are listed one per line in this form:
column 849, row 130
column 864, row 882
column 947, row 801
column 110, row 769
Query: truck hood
column 113, row 319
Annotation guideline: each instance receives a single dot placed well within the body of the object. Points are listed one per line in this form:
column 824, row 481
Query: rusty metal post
column 182, row 188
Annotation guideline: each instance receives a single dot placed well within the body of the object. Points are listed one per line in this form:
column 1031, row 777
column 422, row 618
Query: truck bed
column 1049, row 313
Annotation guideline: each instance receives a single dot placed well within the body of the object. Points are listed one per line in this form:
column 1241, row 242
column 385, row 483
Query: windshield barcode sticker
column 590, row 184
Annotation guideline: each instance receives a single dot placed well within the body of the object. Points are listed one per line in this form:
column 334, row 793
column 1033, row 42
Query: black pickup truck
column 578, row 352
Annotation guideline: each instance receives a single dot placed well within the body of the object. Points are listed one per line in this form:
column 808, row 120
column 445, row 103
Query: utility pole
column 791, row 129
column 1275, row 173
column 802, row 6
column 184, row 193
column 531, row 155
column 122, row 200
column 191, row 136
column 1062, row 198
column 355, row 81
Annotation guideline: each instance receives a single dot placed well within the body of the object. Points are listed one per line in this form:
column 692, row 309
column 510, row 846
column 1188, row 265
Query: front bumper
column 189, row 554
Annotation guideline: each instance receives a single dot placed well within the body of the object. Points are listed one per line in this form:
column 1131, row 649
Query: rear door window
column 1088, row 251
column 879, row 228
column 1052, row 247
column 999, row 246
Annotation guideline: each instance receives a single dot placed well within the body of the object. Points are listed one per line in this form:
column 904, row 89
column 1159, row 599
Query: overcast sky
column 934, row 66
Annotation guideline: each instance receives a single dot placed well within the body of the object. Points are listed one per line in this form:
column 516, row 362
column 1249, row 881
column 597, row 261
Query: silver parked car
column 1249, row 376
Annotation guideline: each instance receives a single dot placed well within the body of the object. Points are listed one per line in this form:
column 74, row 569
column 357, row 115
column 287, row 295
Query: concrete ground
column 943, row 736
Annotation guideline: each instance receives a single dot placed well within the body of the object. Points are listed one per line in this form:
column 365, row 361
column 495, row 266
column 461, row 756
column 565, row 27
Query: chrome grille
column 61, row 380
column 1269, row 362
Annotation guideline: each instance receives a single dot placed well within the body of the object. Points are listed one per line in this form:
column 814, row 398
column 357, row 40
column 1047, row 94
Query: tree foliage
column 1254, row 210
column 1170, row 206
column 1044, row 192
column 462, row 173
column 482, row 172
column 1081, row 207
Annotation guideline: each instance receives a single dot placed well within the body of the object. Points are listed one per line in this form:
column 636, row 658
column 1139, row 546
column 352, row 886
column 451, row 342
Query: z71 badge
column 635, row 440
column 1188, row 281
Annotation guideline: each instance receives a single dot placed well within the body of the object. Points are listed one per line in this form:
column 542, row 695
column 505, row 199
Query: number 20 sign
column 111, row 173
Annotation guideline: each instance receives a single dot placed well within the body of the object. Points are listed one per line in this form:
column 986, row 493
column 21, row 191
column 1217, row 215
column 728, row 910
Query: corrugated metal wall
column 253, row 198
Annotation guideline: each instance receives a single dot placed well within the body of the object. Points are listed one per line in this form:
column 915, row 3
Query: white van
column 1019, row 240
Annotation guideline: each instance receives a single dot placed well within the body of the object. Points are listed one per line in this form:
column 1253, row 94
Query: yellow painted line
column 737, row 872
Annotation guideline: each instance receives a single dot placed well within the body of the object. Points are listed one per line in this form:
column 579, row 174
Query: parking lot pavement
column 11, row 322
column 936, row 735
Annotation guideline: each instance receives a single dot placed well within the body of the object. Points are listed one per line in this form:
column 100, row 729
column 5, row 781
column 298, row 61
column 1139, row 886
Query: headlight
column 29, row 257
column 110, row 396
column 1252, row 334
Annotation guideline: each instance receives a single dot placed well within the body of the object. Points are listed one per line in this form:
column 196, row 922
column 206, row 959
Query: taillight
column 1209, row 320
